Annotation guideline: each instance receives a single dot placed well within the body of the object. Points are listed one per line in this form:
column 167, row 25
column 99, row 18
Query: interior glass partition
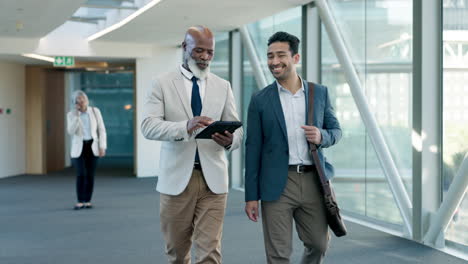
column 377, row 35
column 220, row 63
column 455, row 110
column 289, row 21
column 249, row 87
column 112, row 93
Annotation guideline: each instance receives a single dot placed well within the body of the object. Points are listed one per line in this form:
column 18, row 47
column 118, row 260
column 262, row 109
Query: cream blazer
column 165, row 115
column 75, row 129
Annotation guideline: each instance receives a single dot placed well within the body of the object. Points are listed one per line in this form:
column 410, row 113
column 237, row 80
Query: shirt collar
column 187, row 74
column 281, row 88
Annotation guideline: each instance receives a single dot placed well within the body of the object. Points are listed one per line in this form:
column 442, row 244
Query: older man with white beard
column 193, row 178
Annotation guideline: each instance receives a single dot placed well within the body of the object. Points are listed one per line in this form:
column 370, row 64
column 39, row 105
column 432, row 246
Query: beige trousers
column 196, row 214
column 302, row 201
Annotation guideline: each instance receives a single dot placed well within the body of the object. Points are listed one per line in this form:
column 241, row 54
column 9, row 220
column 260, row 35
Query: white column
column 427, row 112
column 12, row 126
column 237, row 173
column 313, row 39
column 69, row 88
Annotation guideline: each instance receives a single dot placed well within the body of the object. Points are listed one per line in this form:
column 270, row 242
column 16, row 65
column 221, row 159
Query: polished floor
column 38, row 225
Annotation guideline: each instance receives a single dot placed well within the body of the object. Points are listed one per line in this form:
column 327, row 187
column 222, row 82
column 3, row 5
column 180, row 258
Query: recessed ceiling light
column 123, row 21
column 38, row 57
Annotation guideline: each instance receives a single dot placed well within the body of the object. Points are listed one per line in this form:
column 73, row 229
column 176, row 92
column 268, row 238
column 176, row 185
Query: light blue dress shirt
column 294, row 110
column 84, row 116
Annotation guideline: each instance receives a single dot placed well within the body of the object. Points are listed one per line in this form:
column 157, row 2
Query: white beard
column 196, row 71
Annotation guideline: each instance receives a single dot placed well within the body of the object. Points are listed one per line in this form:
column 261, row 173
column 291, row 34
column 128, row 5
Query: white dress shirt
column 294, row 110
column 188, row 84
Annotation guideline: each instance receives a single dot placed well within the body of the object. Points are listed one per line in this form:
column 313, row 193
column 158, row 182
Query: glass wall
column 289, row 21
column 249, row 84
column 455, row 108
column 113, row 93
column 220, row 63
column 377, row 35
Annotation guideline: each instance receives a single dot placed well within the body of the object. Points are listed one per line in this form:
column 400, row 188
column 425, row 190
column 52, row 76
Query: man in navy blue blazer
column 279, row 169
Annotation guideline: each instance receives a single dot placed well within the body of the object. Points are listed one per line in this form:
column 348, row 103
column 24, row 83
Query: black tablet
column 219, row 127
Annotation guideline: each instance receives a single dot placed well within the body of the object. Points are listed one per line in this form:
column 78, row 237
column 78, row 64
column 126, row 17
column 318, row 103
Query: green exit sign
column 61, row 61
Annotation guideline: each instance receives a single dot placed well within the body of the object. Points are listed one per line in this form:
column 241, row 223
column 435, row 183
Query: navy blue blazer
column 267, row 150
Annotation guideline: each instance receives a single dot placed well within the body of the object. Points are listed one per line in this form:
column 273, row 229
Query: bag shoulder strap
column 97, row 121
column 313, row 147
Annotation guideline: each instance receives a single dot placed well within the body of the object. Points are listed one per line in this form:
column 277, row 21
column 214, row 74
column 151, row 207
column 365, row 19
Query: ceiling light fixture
column 123, row 21
column 38, row 57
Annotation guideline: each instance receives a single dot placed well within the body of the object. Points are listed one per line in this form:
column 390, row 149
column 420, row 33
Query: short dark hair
column 282, row 36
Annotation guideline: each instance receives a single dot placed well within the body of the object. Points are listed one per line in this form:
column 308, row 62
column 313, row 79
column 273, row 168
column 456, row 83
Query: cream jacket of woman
column 75, row 129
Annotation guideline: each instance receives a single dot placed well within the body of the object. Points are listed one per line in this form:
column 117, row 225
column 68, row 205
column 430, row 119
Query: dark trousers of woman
column 85, row 166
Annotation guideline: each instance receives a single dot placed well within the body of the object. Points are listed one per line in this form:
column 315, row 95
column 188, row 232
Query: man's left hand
column 223, row 140
column 312, row 134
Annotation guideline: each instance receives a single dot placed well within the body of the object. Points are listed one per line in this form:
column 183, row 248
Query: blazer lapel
column 180, row 88
column 314, row 118
column 278, row 109
column 306, row 90
column 210, row 93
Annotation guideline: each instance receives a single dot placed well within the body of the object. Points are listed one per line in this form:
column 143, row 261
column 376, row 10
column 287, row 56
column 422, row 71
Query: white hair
column 77, row 94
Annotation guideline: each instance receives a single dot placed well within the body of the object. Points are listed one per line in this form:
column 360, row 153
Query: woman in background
column 86, row 126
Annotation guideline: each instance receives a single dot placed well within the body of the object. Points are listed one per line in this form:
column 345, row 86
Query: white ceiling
column 167, row 22
column 37, row 17
column 164, row 24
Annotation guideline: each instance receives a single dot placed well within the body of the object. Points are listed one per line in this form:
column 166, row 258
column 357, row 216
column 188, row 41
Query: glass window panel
column 349, row 165
column 249, row 84
column 455, row 110
column 220, row 63
column 289, row 21
column 383, row 63
column 249, row 87
column 378, row 194
column 113, row 93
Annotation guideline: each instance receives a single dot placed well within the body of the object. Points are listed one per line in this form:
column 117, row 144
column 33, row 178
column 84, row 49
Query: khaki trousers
column 302, row 201
column 196, row 214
